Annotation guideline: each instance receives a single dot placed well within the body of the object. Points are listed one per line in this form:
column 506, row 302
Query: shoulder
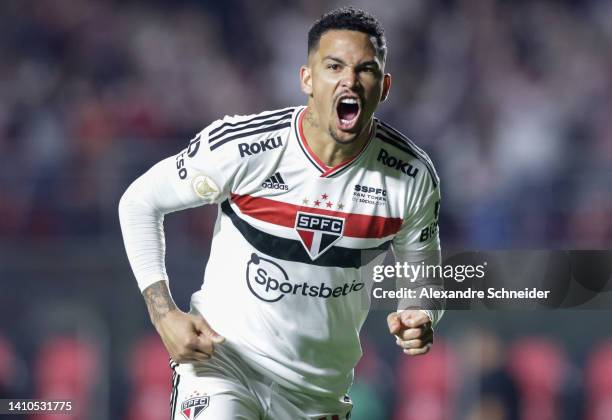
column 244, row 132
column 400, row 154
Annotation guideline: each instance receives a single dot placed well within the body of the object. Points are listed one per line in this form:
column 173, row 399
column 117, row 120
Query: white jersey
column 282, row 284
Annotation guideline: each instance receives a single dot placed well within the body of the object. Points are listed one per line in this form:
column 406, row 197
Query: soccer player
column 273, row 333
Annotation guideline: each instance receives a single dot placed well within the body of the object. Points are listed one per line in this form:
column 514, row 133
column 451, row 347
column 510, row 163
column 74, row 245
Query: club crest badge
column 193, row 407
column 317, row 232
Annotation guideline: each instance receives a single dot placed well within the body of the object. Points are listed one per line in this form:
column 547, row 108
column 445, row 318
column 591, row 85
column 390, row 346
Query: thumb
column 203, row 327
column 394, row 323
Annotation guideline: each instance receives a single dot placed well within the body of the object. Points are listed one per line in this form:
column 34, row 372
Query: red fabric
column 283, row 214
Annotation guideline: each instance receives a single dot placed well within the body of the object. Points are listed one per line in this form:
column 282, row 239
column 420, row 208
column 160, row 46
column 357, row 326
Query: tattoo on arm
column 158, row 300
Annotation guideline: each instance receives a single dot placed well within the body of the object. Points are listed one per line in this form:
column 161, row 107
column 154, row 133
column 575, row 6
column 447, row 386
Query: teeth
column 348, row 101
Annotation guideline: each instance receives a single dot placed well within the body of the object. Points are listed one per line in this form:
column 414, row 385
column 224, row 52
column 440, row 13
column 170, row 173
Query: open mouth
column 348, row 112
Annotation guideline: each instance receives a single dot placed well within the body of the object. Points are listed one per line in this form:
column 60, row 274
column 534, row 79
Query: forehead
column 347, row 44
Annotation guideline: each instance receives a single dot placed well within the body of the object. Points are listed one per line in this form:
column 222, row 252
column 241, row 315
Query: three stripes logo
column 275, row 182
column 269, row 122
column 318, row 233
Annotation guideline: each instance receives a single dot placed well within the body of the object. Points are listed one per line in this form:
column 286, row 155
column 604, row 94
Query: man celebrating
column 274, row 331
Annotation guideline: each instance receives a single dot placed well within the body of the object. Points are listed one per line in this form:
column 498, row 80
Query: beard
column 336, row 136
column 333, row 132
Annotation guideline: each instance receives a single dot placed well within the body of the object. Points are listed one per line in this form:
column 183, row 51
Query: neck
column 323, row 145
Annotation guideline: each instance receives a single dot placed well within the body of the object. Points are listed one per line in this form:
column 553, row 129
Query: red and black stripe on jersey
column 283, row 215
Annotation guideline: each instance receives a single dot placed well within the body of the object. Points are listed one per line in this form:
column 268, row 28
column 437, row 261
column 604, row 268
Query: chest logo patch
column 317, row 232
column 193, row 407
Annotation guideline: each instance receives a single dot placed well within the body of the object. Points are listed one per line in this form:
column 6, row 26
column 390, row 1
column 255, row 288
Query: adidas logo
column 275, row 182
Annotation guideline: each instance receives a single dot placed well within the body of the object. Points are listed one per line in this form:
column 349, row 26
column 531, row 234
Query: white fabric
column 286, row 300
column 225, row 388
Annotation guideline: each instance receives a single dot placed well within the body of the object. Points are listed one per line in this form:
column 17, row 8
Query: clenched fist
column 412, row 329
column 187, row 337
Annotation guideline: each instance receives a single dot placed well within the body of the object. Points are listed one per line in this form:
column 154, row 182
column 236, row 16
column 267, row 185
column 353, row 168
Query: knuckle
column 411, row 334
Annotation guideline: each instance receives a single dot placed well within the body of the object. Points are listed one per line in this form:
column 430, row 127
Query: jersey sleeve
column 418, row 242
column 419, row 231
column 193, row 177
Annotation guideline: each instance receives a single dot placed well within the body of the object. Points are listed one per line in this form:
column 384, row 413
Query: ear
column 386, row 87
column 306, row 80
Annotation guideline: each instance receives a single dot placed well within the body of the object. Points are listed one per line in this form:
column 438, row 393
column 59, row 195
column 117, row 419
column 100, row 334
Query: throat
column 323, row 144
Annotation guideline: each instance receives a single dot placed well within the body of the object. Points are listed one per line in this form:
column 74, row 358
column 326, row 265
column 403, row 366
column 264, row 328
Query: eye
column 333, row 66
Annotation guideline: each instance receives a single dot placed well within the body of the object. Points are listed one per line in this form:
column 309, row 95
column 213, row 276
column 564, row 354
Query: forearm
column 424, row 286
column 141, row 212
column 159, row 301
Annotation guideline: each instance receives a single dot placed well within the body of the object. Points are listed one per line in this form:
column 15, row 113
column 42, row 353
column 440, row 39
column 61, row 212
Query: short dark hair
column 352, row 19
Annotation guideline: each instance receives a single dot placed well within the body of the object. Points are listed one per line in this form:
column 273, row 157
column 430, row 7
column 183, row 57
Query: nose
column 349, row 78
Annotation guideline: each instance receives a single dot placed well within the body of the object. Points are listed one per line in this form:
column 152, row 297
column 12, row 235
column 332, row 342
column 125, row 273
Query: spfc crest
column 191, row 408
column 317, row 232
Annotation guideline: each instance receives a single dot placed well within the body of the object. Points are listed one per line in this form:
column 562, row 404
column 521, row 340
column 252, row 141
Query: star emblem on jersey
column 317, row 232
column 193, row 407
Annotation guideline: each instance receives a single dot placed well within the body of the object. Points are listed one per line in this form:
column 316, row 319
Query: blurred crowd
column 511, row 99
column 474, row 377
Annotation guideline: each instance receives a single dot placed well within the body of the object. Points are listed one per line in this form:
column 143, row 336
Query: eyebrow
column 360, row 65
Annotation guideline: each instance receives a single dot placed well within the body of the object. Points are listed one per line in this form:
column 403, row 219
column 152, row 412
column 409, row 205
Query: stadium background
column 512, row 100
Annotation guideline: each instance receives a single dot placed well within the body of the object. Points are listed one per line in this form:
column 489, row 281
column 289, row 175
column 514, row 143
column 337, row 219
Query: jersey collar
column 326, row 171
